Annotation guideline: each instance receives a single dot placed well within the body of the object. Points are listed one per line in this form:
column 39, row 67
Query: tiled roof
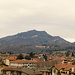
column 12, row 58
column 65, row 66
column 63, row 58
column 25, row 70
column 24, row 61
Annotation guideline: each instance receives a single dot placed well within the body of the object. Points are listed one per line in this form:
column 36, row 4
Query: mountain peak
column 36, row 31
column 32, row 30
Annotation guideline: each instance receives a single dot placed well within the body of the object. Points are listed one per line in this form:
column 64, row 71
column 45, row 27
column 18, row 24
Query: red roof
column 63, row 58
column 24, row 61
column 12, row 58
column 65, row 66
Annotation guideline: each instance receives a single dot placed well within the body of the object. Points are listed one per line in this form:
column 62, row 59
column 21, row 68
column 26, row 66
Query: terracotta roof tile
column 12, row 58
column 60, row 66
column 63, row 58
column 24, row 61
column 65, row 66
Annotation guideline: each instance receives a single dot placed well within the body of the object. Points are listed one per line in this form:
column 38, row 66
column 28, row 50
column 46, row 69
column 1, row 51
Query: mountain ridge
column 33, row 37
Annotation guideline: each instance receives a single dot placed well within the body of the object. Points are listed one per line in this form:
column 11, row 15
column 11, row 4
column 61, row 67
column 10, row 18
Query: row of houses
column 55, row 66
column 29, row 63
column 57, row 69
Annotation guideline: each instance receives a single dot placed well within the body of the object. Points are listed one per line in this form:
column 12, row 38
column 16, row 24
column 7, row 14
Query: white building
column 24, row 63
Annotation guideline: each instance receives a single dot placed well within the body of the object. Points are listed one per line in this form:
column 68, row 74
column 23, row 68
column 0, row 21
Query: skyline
column 56, row 17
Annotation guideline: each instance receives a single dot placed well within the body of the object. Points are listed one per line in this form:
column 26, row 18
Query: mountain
column 28, row 41
column 32, row 37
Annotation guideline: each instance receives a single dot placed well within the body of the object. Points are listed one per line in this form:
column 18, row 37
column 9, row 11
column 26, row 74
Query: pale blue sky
column 57, row 17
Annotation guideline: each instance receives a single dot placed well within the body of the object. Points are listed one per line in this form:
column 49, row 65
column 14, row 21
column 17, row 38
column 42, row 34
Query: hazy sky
column 57, row 17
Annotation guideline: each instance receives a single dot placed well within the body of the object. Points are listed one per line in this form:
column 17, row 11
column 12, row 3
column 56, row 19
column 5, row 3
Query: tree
column 45, row 57
column 72, row 54
column 27, row 57
column 31, row 54
column 20, row 56
column 67, row 53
